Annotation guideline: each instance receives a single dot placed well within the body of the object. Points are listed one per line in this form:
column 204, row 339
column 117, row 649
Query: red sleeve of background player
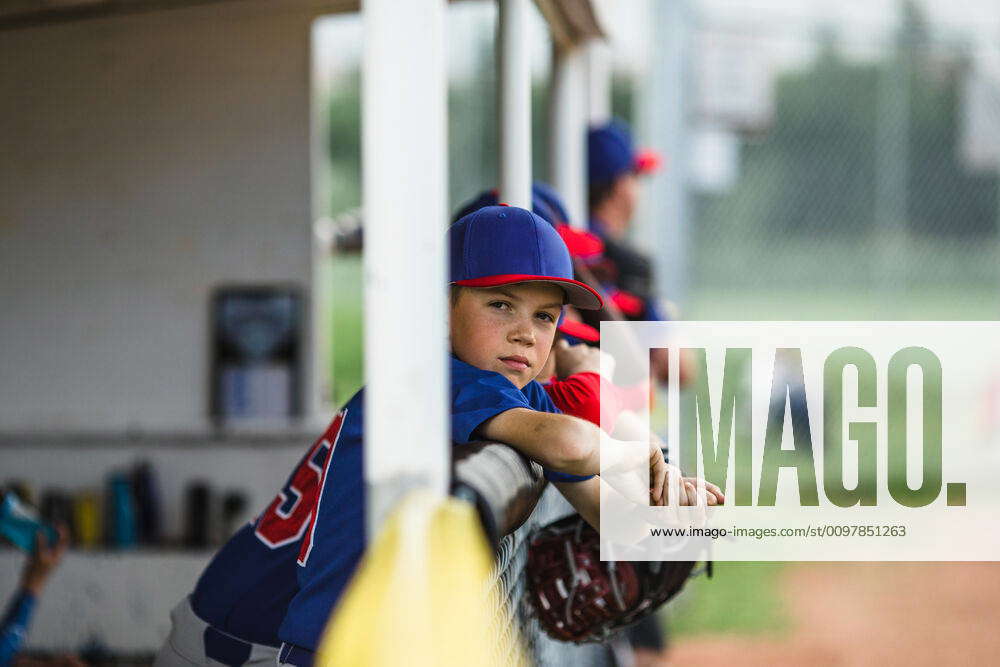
column 635, row 397
column 580, row 395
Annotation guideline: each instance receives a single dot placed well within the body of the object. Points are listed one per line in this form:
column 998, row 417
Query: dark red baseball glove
column 578, row 598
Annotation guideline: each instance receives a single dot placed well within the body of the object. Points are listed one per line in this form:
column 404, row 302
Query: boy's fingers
column 687, row 493
column 717, row 492
column 678, row 480
column 659, row 476
column 664, row 484
column 714, row 494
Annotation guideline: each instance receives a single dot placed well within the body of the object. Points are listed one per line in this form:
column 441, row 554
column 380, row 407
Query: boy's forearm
column 559, row 442
column 585, row 497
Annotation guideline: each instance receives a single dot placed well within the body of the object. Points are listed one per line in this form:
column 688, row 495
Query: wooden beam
column 33, row 13
column 572, row 22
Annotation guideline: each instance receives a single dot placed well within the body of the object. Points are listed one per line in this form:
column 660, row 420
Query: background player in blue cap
column 613, row 170
column 277, row 579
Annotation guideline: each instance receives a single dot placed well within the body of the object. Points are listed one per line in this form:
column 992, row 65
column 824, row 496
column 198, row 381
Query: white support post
column 404, row 160
column 568, row 105
column 599, row 81
column 664, row 218
column 515, row 103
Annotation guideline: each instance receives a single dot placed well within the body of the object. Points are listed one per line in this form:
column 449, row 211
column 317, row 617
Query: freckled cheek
column 545, row 338
column 537, row 353
column 493, row 326
column 487, row 338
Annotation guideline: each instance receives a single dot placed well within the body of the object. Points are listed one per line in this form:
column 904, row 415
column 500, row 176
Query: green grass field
column 344, row 316
column 955, row 302
column 740, row 598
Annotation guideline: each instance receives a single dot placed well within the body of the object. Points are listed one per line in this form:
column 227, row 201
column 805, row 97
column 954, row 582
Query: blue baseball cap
column 539, row 206
column 504, row 245
column 610, row 154
column 547, row 194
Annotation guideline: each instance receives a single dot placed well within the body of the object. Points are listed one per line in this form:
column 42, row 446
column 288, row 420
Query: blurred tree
column 473, row 140
column 344, row 143
column 944, row 198
column 621, row 97
column 815, row 172
column 472, row 130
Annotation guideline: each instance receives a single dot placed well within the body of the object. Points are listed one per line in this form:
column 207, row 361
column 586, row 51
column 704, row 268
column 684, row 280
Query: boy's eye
column 547, row 317
column 502, row 305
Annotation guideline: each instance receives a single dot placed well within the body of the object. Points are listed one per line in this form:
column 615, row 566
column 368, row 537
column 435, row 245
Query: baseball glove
column 578, row 598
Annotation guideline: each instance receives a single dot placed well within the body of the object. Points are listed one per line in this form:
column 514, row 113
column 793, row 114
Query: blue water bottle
column 19, row 524
column 123, row 515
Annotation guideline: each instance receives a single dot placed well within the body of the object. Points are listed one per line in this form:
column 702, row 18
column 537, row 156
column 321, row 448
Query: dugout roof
column 571, row 21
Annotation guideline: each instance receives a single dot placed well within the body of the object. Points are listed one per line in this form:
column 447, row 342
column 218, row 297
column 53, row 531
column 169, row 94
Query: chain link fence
column 855, row 179
column 513, row 613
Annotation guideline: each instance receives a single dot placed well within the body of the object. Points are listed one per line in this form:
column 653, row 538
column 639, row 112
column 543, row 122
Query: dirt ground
column 872, row 614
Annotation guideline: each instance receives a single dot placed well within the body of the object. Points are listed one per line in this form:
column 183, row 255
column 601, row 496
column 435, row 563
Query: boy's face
column 507, row 329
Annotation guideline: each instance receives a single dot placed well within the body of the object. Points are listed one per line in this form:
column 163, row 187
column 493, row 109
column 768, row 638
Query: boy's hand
column 658, row 472
column 692, row 491
column 712, row 494
column 660, row 481
column 43, row 561
column 573, row 359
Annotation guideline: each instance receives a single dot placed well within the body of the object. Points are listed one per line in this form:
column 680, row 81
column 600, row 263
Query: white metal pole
column 404, row 159
column 599, row 81
column 663, row 123
column 515, row 103
column 568, row 105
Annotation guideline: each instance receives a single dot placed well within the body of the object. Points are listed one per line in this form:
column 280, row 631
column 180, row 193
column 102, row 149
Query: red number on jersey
column 290, row 513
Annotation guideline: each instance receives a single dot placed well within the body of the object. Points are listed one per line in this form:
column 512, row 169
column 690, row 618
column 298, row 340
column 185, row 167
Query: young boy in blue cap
column 274, row 584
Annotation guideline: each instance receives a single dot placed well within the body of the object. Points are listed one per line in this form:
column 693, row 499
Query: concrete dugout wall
column 146, row 159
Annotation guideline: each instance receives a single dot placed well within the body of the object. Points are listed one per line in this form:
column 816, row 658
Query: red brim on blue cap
column 581, row 244
column 577, row 294
column 647, row 162
column 501, row 245
column 584, row 332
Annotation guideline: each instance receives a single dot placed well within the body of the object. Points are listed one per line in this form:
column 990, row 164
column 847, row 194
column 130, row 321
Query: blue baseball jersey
column 278, row 578
column 14, row 626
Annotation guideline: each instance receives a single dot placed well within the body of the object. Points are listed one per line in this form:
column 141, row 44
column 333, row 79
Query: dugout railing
column 513, row 500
